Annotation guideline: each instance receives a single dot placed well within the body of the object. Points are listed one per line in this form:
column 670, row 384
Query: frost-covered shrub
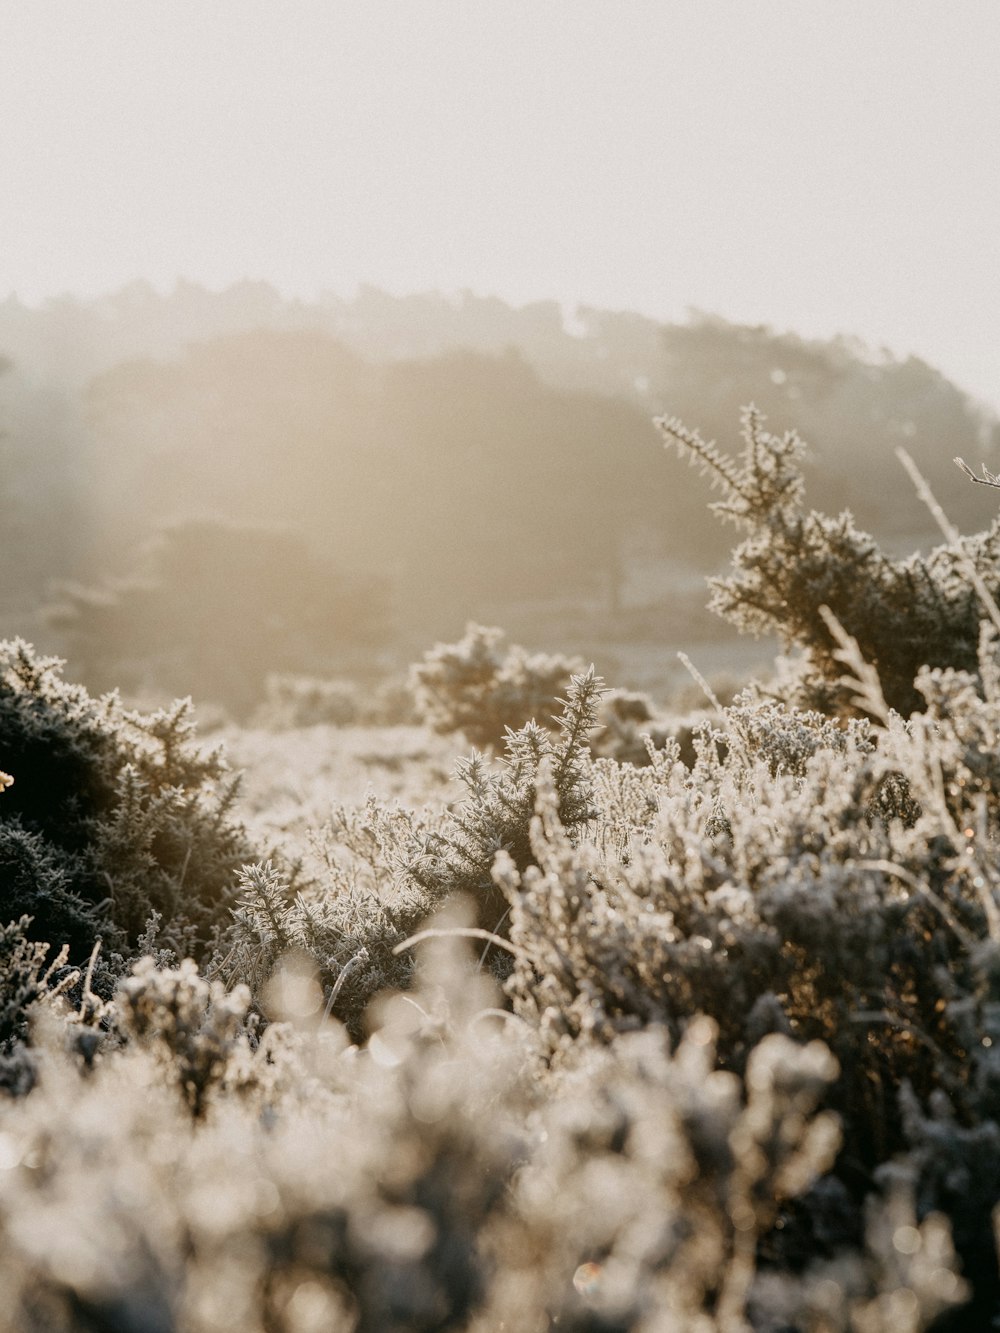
column 904, row 614
column 628, row 727
column 111, row 815
column 431, row 1182
column 37, row 882
column 195, row 1026
column 355, row 1201
column 499, row 805
column 482, row 687
column 658, row 1183
column 25, row 977
column 384, row 870
column 808, row 877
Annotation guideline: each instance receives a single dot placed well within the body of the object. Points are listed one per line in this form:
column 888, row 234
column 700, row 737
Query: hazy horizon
column 823, row 170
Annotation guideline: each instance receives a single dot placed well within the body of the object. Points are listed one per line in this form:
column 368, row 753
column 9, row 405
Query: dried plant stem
column 345, row 972
column 467, row 932
column 699, row 679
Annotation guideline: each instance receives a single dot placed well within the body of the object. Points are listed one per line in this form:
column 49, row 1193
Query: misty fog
column 201, row 489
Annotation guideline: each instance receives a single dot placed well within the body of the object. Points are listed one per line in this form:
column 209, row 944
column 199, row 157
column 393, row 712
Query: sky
column 830, row 166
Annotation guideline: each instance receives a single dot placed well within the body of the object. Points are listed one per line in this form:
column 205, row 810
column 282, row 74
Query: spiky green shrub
column 904, row 614
column 483, row 687
column 497, row 811
column 111, row 815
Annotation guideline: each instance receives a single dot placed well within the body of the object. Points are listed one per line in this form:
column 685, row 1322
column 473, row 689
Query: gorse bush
column 111, row 816
column 497, row 811
column 904, row 614
column 484, row 688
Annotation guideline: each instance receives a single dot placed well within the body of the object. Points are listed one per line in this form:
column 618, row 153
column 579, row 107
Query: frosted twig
column 699, row 679
column 951, row 532
column 348, row 967
column 864, row 680
column 467, row 932
column 486, row 949
column 987, row 479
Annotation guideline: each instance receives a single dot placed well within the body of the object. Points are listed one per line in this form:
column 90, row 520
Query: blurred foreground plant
column 425, row 1183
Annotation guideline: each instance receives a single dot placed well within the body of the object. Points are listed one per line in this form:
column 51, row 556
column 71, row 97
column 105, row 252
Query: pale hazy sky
column 820, row 165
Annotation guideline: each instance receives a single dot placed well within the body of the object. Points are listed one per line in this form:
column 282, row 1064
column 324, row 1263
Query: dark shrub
column 111, row 814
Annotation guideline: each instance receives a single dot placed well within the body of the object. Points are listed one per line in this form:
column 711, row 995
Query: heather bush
column 25, row 979
column 629, row 727
column 195, row 1027
column 347, row 926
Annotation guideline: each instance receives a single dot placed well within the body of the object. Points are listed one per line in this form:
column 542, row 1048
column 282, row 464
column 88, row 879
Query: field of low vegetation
column 504, row 998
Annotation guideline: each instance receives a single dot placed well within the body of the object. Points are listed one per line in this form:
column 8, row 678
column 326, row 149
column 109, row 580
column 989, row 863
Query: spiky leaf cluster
column 496, row 813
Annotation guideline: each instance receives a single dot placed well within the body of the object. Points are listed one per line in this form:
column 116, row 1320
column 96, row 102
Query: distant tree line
column 463, row 455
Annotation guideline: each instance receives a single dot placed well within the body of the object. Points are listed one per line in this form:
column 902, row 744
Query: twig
column 467, row 932
column 903, row 875
column 900, row 1024
column 699, row 679
column 951, row 532
column 865, row 681
column 499, row 1013
column 348, row 967
column 987, row 479
column 482, row 956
